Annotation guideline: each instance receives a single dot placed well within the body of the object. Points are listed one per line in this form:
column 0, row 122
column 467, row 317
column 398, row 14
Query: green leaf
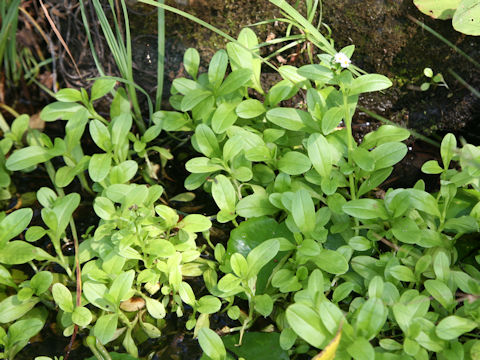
column 249, row 109
column 121, row 288
column 307, row 324
column 406, row 230
column 388, row 154
column 303, row 211
column 448, row 148
column 160, row 248
column 120, row 127
column 151, row 133
column 191, row 61
column 14, row 223
column 62, row 297
column 217, row 68
column 462, row 224
column 11, row 308
column 105, row 327
column 402, row 273
column 359, row 243
column 384, row 134
column 263, row 304
column 186, row 293
column 261, row 255
column 290, row 73
column 440, row 292
column 368, row 83
column 321, row 154
column 230, row 284
column 453, row 326
column 99, row 166
column 120, row 103
column 239, row 265
column 256, row 345
column 60, row 110
column 195, row 223
column 423, row 201
column 431, row 167
column 255, row 205
column 101, row 87
column 207, row 141
column 23, row 330
column 41, row 281
column 211, row 344
column 81, row 316
column 234, row 81
column 363, row 159
column 27, row 157
column 366, row 209
column 294, row 163
column 100, row 134
column 208, row 304
column 342, row 291
column 123, row 172
column 251, row 233
column 466, row 18
column 64, row 176
column 20, row 252
column 242, row 57
column 95, row 294
column 223, row 117
column 441, row 266
column 104, row 208
column 331, row 119
column 331, row 261
column 64, row 208
column 184, row 86
column 202, row 165
column 437, row 9
column 282, row 90
column 316, row 73
column 225, row 196
column 288, row 118
column 361, row 349
column 68, row 95
column 193, row 98
column 371, row 318
column 376, row 178
column 155, row 308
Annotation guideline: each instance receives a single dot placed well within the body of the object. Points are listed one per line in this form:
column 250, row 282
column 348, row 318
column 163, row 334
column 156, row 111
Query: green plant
column 319, row 256
column 129, row 273
column 464, row 13
column 121, row 48
column 436, row 80
column 8, row 50
column 316, row 249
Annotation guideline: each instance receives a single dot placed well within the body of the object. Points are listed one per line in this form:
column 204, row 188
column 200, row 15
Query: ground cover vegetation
column 320, row 262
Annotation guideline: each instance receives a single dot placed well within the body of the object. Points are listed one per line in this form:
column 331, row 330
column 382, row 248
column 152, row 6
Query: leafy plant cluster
column 319, row 263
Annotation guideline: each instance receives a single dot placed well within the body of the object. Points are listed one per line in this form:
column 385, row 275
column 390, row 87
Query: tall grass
column 120, row 46
column 8, row 47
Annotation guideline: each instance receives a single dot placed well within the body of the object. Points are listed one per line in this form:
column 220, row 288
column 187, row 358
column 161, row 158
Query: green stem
column 350, row 142
column 160, row 55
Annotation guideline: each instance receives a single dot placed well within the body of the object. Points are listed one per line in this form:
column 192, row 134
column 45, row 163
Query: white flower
column 342, row 59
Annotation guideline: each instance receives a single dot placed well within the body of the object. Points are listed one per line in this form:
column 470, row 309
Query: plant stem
column 160, row 55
